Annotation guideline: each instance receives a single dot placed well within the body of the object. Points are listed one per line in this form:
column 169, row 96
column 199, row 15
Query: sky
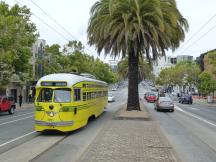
column 74, row 15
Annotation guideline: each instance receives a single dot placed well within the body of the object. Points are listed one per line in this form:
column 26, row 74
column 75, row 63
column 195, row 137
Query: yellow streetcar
column 66, row 102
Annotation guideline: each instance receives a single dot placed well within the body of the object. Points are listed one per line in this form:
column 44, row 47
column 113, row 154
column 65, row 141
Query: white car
column 114, row 89
column 111, row 98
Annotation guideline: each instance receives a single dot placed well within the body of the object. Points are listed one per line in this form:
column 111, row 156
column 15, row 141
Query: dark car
column 186, row 99
column 164, row 103
column 7, row 104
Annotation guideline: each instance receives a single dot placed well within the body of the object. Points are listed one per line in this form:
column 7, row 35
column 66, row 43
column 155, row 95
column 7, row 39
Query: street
column 19, row 142
column 190, row 130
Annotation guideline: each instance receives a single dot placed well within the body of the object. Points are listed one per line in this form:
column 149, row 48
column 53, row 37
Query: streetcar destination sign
column 54, row 84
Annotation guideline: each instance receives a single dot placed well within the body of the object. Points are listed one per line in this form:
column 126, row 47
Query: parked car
column 111, row 98
column 186, row 99
column 151, row 97
column 164, row 103
column 7, row 104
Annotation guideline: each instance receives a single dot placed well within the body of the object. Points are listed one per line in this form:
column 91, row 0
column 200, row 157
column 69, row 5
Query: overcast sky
column 74, row 16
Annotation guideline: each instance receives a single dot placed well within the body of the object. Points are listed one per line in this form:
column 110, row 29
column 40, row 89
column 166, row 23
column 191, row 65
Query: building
column 162, row 63
column 38, row 51
column 114, row 65
column 15, row 87
column 202, row 61
column 181, row 58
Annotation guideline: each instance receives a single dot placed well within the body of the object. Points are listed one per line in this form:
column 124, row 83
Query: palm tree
column 133, row 28
column 144, row 69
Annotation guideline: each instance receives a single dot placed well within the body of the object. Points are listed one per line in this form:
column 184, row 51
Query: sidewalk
column 129, row 140
column 204, row 102
column 25, row 106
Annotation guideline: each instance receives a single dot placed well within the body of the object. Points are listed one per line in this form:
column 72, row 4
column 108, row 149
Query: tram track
column 30, row 149
column 47, row 149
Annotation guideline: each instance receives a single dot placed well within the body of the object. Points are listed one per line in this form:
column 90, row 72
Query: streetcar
column 66, row 102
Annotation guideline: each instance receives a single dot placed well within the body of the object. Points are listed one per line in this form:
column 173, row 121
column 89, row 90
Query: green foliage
column 135, row 27
column 210, row 60
column 182, row 74
column 17, row 33
column 145, row 69
column 207, row 83
column 73, row 59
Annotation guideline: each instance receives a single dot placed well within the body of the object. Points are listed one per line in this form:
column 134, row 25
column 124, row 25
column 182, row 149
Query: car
column 146, row 94
column 174, row 94
column 7, row 104
column 114, row 89
column 111, row 98
column 186, row 99
column 151, row 97
column 164, row 103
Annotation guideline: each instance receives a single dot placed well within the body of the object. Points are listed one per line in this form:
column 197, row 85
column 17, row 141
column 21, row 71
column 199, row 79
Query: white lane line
column 15, row 139
column 195, row 116
column 194, row 108
column 14, row 116
column 16, row 120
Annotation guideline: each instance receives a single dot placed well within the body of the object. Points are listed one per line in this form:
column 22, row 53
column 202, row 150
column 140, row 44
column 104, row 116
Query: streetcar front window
column 62, row 95
column 45, row 95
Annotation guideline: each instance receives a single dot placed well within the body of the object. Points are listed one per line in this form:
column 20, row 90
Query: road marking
column 16, row 120
column 14, row 116
column 15, row 139
column 195, row 116
column 194, row 108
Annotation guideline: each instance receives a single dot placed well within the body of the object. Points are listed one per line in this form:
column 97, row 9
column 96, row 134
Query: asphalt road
column 191, row 130
column 19, row 142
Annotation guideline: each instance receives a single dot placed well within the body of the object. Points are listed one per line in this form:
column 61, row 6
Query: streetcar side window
column 84, row 96
column 77, row 94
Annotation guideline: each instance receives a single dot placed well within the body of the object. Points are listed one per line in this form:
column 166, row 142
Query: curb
column 123, row 114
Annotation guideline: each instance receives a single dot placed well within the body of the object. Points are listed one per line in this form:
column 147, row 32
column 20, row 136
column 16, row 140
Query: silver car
column 164, row 103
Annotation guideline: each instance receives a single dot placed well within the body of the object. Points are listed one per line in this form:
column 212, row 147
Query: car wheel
column 11, row 110
column 172, row 110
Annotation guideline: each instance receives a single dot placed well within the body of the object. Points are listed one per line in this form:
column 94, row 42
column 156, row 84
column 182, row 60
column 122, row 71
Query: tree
column 210, row 63
column 184, row 73
column 207, row 83
column 134, row 28
column 17, row 34
column 145, row 69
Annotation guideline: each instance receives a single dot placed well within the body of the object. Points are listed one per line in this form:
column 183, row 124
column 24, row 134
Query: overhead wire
column 60, row 34
column 192, row 44
column 56, row 22
column 199, row 30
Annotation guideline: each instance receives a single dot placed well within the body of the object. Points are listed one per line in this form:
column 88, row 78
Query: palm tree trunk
column 133, row 93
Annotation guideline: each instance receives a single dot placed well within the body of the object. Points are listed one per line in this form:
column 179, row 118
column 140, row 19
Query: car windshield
column 60, row 95
column 152, row 94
